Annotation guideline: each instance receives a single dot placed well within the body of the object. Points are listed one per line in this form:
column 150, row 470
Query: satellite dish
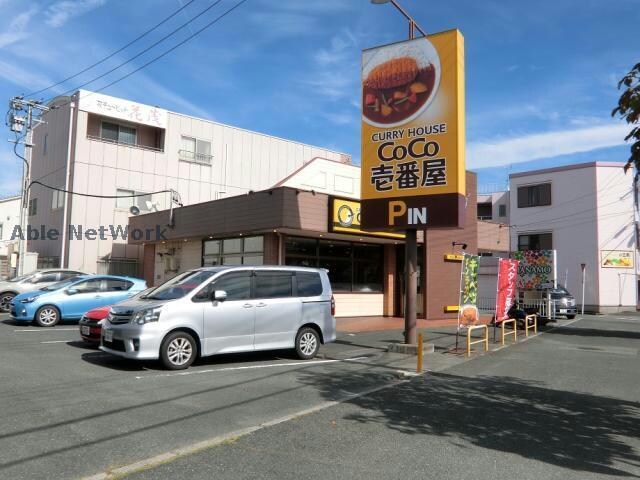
column 134, row 210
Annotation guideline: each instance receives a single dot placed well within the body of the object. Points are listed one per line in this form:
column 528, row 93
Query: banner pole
column 495, row 311
column 462, row 264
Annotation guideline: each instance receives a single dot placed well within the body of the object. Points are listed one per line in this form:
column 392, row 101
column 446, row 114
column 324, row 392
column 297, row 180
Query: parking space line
column 249, row 367
column 59, row 341
column 47, row 330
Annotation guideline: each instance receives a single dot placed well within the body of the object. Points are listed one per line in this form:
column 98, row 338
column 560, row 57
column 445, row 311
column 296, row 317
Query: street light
column 412, row 23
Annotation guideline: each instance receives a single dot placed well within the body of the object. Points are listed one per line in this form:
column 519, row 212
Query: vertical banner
column 468, row 312
column 413, row 134
column 506, row 294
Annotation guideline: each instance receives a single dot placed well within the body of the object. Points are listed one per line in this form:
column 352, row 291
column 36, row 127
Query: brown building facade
column 289, row 226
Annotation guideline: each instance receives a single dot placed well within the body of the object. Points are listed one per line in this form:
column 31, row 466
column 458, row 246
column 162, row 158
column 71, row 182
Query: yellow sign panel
column 453, row 257
column 413, row 157
column 616, row 258
column 345, row 218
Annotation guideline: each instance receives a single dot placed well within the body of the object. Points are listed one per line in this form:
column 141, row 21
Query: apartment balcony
column 195, row 157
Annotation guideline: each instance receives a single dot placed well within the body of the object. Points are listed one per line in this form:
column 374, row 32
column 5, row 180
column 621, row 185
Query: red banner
column 507, row 277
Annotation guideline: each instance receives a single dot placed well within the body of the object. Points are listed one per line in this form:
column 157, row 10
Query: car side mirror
column 219, row 295
column 71, row 291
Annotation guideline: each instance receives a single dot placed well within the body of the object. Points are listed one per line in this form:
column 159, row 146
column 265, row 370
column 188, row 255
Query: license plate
column 85, row 330
column 108, row 336
column 563, row 310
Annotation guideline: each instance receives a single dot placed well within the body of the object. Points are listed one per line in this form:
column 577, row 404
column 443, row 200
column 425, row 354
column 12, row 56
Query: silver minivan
column 213, row 310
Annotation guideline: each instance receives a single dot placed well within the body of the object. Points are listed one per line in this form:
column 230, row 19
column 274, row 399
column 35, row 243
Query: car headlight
column 147, row 315
column 28, row 300
column 564, row 301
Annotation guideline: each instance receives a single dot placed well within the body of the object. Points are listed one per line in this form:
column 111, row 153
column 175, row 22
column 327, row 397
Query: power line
column 36, row 182
column 214, row 21
column 111, row 55
column 139, row 54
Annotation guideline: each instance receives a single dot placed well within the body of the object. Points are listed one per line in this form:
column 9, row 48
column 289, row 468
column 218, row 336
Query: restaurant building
column 311, row 218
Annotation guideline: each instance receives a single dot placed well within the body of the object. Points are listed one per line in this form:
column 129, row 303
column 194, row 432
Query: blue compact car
column 70, row 299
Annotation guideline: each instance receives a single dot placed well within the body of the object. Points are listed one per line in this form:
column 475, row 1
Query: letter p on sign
column 397, row 208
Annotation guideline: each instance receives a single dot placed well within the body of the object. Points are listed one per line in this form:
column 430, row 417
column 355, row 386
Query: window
column 535, row 241
column 1, row 231
column 88, row 286
column 68, row 275
column 502, row 210
column 46, row 278
column 236, row 285
column 353, row 267
column 485, row 211
column 194, row 150
column 309, row 284
column 233, row 251
column 180, row 285
column 113, row 132
column 113, row 285
column 57, row 200
column 273, row 285
column 125, row 201
column 33, row 207
column 534, row 195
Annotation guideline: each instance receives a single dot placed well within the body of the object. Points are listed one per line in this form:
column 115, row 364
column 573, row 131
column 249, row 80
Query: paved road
column 564, row 405
column 68, row 410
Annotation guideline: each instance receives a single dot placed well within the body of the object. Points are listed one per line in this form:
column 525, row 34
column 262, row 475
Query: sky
column 541, row 77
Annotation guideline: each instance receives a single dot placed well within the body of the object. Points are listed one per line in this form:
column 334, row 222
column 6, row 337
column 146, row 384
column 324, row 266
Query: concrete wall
column 493, row 237
column 326, row 176
column 9, row 219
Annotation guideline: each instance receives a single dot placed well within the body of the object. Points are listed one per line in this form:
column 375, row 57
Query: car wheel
column 307, row 343
column 178, row 351
column 47, row 316
column 5, row 301
column 571, row 317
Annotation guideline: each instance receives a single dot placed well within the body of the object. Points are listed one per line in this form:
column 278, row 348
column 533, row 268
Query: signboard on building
column 345, row 215
column 616, row 258
column 506, row 293
column 413, row 157
column 537, row 269
column 122, row 109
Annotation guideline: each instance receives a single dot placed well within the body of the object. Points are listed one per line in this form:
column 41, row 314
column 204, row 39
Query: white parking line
column 48, row 330
column 248, row 367
column 59, row 341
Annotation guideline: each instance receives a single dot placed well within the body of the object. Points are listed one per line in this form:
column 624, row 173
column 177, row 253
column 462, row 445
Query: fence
column 487, row 306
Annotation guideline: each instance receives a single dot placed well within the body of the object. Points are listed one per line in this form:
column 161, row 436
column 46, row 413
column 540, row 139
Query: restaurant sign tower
column 413, row 142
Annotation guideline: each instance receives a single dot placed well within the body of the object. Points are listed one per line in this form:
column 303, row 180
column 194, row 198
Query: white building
column 9, row 218
column 94, row 144
column 586, row 213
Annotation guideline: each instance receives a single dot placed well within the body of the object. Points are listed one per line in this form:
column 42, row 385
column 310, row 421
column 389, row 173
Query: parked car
column 90, row 324
column 215, row 310
column 31, row 281
column 69, row 300
column 565, row 303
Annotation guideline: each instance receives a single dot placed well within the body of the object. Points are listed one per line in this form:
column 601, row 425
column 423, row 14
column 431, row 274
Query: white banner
column 122, row 109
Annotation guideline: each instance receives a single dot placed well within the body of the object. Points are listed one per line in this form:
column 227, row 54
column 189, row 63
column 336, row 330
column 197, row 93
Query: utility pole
column 21, row 117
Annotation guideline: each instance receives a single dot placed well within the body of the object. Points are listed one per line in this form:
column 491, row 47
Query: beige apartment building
column 94, row 144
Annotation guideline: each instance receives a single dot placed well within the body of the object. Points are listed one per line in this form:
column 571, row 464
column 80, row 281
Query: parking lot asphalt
column 69, row 410
column 565, row 405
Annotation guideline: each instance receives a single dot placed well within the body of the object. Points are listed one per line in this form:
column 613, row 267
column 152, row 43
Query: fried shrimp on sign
column 393, row 73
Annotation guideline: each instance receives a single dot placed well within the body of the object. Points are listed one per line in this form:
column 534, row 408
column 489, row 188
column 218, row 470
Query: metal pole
column 420, row 346
column 411, row 282
column 584, row 277
column 22, row 247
